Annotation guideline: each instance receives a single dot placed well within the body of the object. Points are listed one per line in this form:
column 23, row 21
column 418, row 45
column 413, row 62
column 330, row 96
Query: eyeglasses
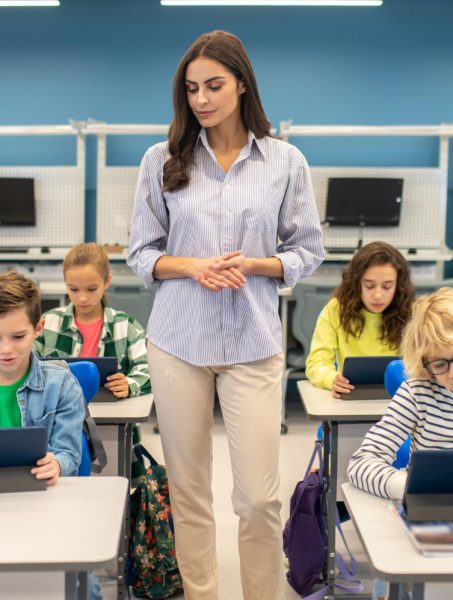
column 439, row 366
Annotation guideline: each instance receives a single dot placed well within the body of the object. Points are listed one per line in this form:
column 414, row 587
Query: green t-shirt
column 9, row 408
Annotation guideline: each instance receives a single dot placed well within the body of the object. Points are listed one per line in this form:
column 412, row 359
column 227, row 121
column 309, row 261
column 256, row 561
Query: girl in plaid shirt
column 88, row 326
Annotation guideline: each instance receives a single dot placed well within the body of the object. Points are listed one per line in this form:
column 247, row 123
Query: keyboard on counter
column 341, row 250
column 13, row 250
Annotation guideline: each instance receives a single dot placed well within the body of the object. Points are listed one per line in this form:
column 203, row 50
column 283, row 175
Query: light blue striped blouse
column 423, row 409
column 267, row 193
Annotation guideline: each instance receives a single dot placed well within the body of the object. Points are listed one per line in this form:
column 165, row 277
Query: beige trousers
column 250, row 399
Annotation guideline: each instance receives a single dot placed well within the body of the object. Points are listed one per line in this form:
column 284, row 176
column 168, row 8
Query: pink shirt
column 90, row 336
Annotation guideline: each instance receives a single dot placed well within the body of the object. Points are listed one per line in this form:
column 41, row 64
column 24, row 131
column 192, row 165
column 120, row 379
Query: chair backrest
column 393, row 377
column 87, row 375
column 311, row 297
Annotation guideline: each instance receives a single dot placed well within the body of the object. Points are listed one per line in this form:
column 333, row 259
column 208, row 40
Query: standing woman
column 210, row 205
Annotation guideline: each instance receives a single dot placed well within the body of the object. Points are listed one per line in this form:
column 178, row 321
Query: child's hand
column 340, row 385
column 118, row 385
column 47, row 468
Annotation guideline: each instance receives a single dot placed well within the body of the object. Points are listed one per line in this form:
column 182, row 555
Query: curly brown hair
column 228, row 50
column 348, row 293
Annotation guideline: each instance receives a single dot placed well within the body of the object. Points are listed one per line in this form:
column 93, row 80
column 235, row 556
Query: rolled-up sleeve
column 301, row 248
column 149, row 226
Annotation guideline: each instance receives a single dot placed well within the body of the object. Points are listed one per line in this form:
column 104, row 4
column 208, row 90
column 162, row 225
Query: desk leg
column 76, row 586
column 325, row 454
column 284, row 321
column 330, row 432
column 83, row 586
column 70, row 586
column 124, row 470
column 394, row 591
column 330, row 467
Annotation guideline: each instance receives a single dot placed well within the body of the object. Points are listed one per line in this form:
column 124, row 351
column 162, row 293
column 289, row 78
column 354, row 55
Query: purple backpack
column 305, row 536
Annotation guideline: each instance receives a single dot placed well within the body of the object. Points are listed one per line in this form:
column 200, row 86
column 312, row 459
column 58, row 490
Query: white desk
column 392, row 555
column 123, row 414
column 129, row 410
column 321, row 406
column 73, row 527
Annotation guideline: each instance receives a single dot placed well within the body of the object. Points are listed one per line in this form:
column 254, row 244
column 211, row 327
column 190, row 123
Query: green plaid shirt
column 121, row 336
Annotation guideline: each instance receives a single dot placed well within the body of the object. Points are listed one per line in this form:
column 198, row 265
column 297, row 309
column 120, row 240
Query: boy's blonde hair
column 89, row 253
column 17, row 291
column 429, row 332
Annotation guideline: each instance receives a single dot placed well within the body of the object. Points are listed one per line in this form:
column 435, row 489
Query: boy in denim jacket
column 33, row 393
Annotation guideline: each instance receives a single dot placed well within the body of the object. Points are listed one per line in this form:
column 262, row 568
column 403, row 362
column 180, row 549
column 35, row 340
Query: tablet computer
column 366, row 374
column 107, row 365
column 429, row 486
column 22, row 446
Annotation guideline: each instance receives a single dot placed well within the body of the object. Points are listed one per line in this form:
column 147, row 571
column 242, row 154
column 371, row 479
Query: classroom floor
column 296, row 448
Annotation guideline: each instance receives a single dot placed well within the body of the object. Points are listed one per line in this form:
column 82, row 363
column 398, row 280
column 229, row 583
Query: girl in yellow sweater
column 365, row 317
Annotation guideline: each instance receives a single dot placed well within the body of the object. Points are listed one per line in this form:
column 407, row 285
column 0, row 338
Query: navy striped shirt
column 423, row 409
column 265, row 195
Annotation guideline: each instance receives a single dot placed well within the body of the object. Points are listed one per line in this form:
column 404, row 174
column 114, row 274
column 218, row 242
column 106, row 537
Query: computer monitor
column 17, row 201
column 364, row 201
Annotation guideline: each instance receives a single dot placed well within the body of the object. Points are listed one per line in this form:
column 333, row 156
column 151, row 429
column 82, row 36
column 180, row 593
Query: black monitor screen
column 17, row 201
column 362, row 201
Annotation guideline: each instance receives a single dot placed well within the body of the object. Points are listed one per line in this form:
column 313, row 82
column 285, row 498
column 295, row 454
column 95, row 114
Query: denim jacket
column 51, row 397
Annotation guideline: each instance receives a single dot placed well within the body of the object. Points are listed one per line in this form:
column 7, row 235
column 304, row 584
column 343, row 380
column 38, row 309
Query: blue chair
column 393, row 378
column 87, row 375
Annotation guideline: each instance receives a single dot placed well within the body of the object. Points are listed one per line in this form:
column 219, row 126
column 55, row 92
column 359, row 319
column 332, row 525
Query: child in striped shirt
column 423, row 405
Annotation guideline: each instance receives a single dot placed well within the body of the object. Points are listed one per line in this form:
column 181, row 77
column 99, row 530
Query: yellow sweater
column 329, row 344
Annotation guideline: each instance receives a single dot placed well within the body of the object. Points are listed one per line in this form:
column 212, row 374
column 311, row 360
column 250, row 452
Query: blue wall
column 114, row 60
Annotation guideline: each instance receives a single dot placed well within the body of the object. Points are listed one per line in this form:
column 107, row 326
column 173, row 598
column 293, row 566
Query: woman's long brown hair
column 397, row 314
column 228, row 50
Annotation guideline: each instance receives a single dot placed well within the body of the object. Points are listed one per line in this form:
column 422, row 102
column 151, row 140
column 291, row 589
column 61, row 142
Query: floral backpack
column 152, row 570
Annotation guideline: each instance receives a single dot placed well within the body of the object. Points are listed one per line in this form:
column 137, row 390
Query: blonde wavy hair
column 429, row 332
